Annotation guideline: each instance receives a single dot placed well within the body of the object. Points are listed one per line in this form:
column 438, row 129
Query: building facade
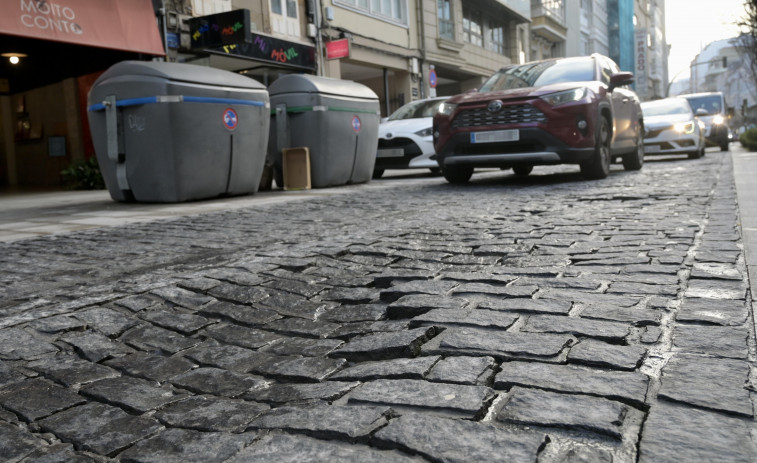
column 650, row 49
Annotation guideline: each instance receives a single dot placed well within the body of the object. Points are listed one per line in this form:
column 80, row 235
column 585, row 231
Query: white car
column 670, row 127
column 405, row 139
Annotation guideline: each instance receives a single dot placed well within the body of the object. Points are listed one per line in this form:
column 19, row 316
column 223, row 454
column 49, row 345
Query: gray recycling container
column 171, row 132
column 336, row 119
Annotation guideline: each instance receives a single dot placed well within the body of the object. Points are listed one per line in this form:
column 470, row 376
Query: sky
column 692, row 24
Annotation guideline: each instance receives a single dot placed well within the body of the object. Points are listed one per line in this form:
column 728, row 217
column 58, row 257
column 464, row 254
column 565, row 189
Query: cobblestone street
column 545, row 318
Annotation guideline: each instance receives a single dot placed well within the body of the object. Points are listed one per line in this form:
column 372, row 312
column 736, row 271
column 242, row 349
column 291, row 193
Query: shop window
column 446, row 23
column 284, row 17
column 388, row 10
column 472, row 26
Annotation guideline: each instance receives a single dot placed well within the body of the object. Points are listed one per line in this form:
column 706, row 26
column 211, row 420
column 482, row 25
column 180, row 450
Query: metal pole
column 387, row 106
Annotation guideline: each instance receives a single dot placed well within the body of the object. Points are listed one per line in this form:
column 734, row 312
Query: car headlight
column 425, row 132
column 447, row 108
column 718, row 119
column 568, row 96
column 684, row 127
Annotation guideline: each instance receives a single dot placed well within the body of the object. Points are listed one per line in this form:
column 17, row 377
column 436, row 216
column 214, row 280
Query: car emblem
column 495, row 106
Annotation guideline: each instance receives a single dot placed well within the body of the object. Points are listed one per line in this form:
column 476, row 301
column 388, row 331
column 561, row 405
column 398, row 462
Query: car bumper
column 534, row 147
column 678, row 144
column 405, row 153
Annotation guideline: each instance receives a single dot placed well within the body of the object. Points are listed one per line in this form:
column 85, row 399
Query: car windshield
column 541, row 73
column 710, row 103
column 665, row 107
column 416, row 109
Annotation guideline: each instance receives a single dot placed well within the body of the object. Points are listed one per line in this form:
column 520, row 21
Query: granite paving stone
column 18, row 443
column 148, row 338
column 18, row 344
column 207, row 380
column 237, row 313
column 69, row 370
column 182, row 297
column 388, row 345
column 301, row 326
column 297, row 393
column 416, row 304
column 325, row 421
column 290, row 305
column 208, row 413
column 187, row 446
column 107, row 321
column 229, row 357
column 58, row 324
column 604, row 355
column 307, row 369
column 428, row 287
column 286, row 448
column 708, row 382
column 577, row 326
column 413, row 368
column 481, row 318
column 308, row 347
column 451, row 398
column 241, row 336
column 534, row 407
column 499, row 344
column 37, row 398
column 176, row 320
column 151, row 366
column 456, row 440
column 463, row 370
column 133, row 394
column 96, row 347
column 732, row 312
column 723, row 341
column 717, row 289
column 526, row 305
column 99, row 428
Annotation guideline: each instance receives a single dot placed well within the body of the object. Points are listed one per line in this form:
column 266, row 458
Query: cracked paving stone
column 604, row 355
column 673, row 434
column 36, row 398
column 533, row 407
column 99, row 428
column 208, row 413
column 723, row 341
column 718, row 311
column 176, row 320
column 453, row 398
column 241, row 336
column 481, row 318
column 627, row 386
column 417, row 304
column 378, row 346
column 18, row 344
column 218, row 382
column 337, row 422
column 150, row 366
column 548, row 306
column 463, row 370
column 109, row 322
column 428, row 287
column 302, row 346
column 149, row 338
column 96, row 347
column 414, row 368
column 599, row 329
column 69, row 370
column 454, row 440
column 236, row 313
column 182, row 297
column 717, row 289
column 495, row 343
column 311, row 369
column 714, row 383
column 187, row 446
column 137, row 395
column 58, row 324
column 285, row 448
column 286, row 393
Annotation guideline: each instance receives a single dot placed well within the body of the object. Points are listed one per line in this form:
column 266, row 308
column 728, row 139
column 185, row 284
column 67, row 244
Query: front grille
column 515, row 114
column 651, row 133
column 405, row 144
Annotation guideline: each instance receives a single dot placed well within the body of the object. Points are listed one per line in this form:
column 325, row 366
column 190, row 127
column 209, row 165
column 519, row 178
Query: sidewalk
column 745, row 174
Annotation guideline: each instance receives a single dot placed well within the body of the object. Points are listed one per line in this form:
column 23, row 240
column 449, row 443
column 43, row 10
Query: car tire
column 724, row 146
column 457, row 174
column 435, row 170
column 696, row 154
column 377, row 173
column 635, row 159
column 522, row 171
column 598, row 165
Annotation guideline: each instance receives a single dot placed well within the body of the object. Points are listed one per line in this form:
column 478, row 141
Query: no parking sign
column 356, row 124
column 230, row 119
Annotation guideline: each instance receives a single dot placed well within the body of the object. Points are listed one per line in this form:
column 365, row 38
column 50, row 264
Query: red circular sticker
column 356, row 124
column 230, row 119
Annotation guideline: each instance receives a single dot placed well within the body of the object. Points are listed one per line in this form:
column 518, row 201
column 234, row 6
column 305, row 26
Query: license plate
column 652, row 148
column 494, row 136
column 390, row 153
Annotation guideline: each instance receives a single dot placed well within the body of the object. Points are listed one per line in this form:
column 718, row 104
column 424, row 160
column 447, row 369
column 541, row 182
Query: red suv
column 557, row 111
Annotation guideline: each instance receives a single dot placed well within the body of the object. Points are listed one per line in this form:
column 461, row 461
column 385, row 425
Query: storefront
column 52, row 51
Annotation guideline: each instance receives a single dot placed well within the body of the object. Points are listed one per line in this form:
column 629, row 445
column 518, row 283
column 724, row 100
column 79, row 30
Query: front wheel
column 598, row 165
column 635, row 159
column 457, row 174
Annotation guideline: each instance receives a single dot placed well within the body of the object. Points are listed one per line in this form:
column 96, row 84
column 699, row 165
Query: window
column 392, row 10
column 284, row 17
column 495, row 39
column 472, row 26
column 446, row 24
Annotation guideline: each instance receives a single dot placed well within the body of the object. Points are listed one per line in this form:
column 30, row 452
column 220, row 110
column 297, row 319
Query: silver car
column 670, row 127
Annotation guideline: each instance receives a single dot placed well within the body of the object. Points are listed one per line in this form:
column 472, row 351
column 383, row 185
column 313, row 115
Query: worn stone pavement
column 545, row 319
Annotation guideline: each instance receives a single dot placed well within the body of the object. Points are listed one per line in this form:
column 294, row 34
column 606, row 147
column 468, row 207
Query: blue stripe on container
column 187, row 99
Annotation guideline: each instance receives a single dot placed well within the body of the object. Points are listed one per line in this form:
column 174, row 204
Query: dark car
column 710, row 108
column 557, row 111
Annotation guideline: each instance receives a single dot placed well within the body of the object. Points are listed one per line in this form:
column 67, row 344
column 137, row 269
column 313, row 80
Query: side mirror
column 620, row 79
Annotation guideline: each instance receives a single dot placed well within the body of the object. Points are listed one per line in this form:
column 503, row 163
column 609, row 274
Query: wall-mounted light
column 14, row 58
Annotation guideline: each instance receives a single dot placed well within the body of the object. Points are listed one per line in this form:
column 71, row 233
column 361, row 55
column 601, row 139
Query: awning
column 114, row 24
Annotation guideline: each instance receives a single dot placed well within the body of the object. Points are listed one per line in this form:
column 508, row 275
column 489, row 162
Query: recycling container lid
column 305, row 83
column 180, row 72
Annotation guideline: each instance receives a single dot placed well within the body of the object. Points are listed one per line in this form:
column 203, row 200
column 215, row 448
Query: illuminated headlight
column 718, row 119
column 684, row 127
column 447, row 108
column 424, row 132
column 565, row 97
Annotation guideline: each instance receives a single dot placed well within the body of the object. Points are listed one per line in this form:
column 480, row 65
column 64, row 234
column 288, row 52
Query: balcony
column 548, row 20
